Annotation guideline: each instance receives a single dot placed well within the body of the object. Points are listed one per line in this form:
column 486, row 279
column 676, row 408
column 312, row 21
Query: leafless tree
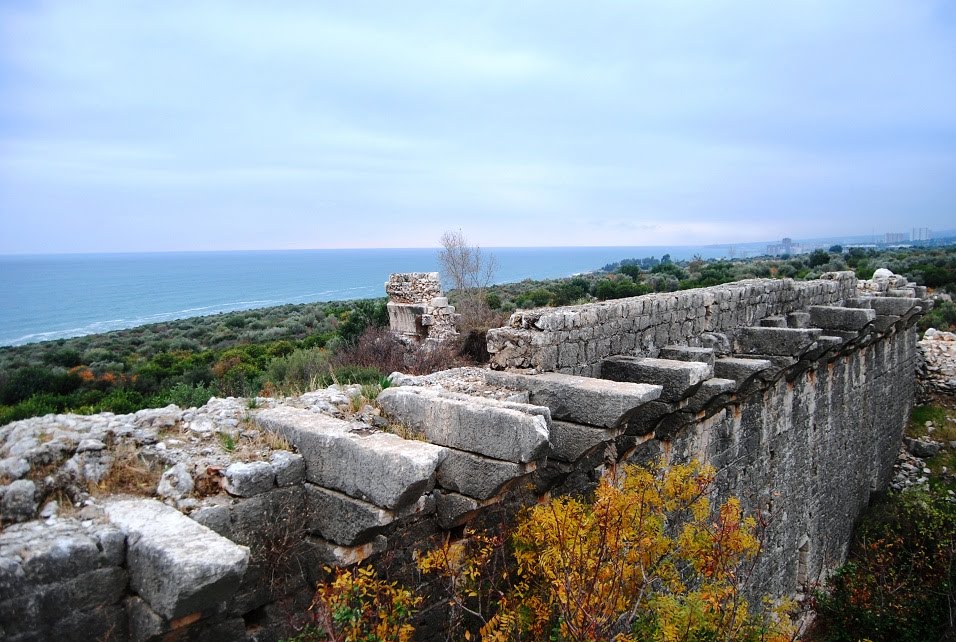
column 469, row 272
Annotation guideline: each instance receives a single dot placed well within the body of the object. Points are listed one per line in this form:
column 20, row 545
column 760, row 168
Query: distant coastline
column 48, row 297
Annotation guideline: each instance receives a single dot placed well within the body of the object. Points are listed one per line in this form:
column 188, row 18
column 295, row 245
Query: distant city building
column 785, row 246
column 921, row 234
column 894, row 237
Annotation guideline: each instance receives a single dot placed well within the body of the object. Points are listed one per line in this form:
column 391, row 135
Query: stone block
column 688, row 353
column 711, row 391
column 289, row 467
column 454, row 509
column 18, row 502
column 476, row 476
column 678, row 379
column 245, row 479
column 884, row 322
column 775, row 341
column 378, row 467
column 774, row 322
column 571, row 441
column 175, row 564
column 893, row 305
column 830, row 317
column 740, row 370
column 472, row 425
column 581, row 399
column 342, row 519
column 798, row 319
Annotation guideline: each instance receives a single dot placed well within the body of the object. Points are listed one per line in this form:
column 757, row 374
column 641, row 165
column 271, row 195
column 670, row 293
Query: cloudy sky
column 192, row 125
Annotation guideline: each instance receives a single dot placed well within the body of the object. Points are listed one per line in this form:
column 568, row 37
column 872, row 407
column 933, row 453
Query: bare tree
column 469, row 272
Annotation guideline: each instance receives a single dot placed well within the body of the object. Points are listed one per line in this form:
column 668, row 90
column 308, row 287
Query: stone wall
column 575, row 339
column 416, row 308
column 800, row 406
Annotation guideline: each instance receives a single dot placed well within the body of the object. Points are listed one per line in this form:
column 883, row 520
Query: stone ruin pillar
column 416, row 308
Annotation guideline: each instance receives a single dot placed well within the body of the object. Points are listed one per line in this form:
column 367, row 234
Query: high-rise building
column 921, row 234
column 894, row 237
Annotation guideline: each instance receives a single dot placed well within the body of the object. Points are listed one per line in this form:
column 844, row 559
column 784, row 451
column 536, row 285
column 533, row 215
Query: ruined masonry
column 417, row 310
column 797, row 392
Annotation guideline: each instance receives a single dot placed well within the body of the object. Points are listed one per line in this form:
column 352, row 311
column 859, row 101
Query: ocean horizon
column 58, row 296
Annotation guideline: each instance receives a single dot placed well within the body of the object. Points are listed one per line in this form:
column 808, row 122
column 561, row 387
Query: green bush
column 899, row 584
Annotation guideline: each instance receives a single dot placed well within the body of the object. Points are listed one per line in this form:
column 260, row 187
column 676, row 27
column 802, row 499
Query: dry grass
column 130, row 473
column 405, row 432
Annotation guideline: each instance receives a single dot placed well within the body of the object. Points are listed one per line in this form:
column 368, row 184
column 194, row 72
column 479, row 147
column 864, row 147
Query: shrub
column 900, row 582
column 648, row 559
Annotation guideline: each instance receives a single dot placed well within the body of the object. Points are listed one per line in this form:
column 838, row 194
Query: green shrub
column 899, row 584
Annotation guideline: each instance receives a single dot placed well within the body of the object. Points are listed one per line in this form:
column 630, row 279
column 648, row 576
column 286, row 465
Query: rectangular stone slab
column 895, row 306
column 740, row 370
column 175, row 564
column 474, row 426
column 570, row 441
column 585, row 400
column 477, row 476
column 831, row 317
column 678, row 378
column 688, row 353
column 343, row 519
column 373, row 466
column 775, row 341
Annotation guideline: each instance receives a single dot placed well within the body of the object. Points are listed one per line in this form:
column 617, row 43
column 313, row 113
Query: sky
column 194, row 125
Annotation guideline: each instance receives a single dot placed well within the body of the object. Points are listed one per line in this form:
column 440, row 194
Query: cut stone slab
column 585, row 400
column 245, row 479
column 896, row 306
column 741, row 370
column 884, row 322
column 571, row 441
column 798, row 319
column 472, row 425
column 289, row 467
column 773, row 322
column 775, row 341
column 688, row 353
column 709, row 392
column 175, row 564
column 378, row 467
column 477, row 476
column 679, row 379
column 831, row 317
column 455, row 510
column 342, row 519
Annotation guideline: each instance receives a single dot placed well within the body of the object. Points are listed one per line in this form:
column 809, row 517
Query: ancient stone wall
column 575, row 339
column 416, row 308
column 799, row 405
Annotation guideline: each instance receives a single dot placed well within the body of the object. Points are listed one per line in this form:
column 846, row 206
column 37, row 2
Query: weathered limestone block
column 774, row 322
column 798, row 319
column 711, row 391
column 176, row 482
column 892, row 305
column 343, row 519
column 571, row 441
column 473, row 425
column 175, row 564
column 581, row 399
column 454, row 509
column 883, row 322
column 18, row 501
column 245, row 479
column 374, row 466
column 831, row 317
column 476, row 476
column 741, row 370
column 59, row 573
column 775, row 341
column 679, row 379
column 688, row 353
column 289, row 467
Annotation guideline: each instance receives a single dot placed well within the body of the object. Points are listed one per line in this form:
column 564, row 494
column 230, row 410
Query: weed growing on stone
column 130, row 473
column 227, row 441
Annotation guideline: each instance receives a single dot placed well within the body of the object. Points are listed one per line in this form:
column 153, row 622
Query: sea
column 47, row 297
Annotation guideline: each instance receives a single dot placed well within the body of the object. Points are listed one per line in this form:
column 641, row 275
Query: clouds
column 521, row 123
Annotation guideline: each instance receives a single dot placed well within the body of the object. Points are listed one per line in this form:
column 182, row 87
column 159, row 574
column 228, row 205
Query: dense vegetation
column 292, row 348
column 282, row 349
